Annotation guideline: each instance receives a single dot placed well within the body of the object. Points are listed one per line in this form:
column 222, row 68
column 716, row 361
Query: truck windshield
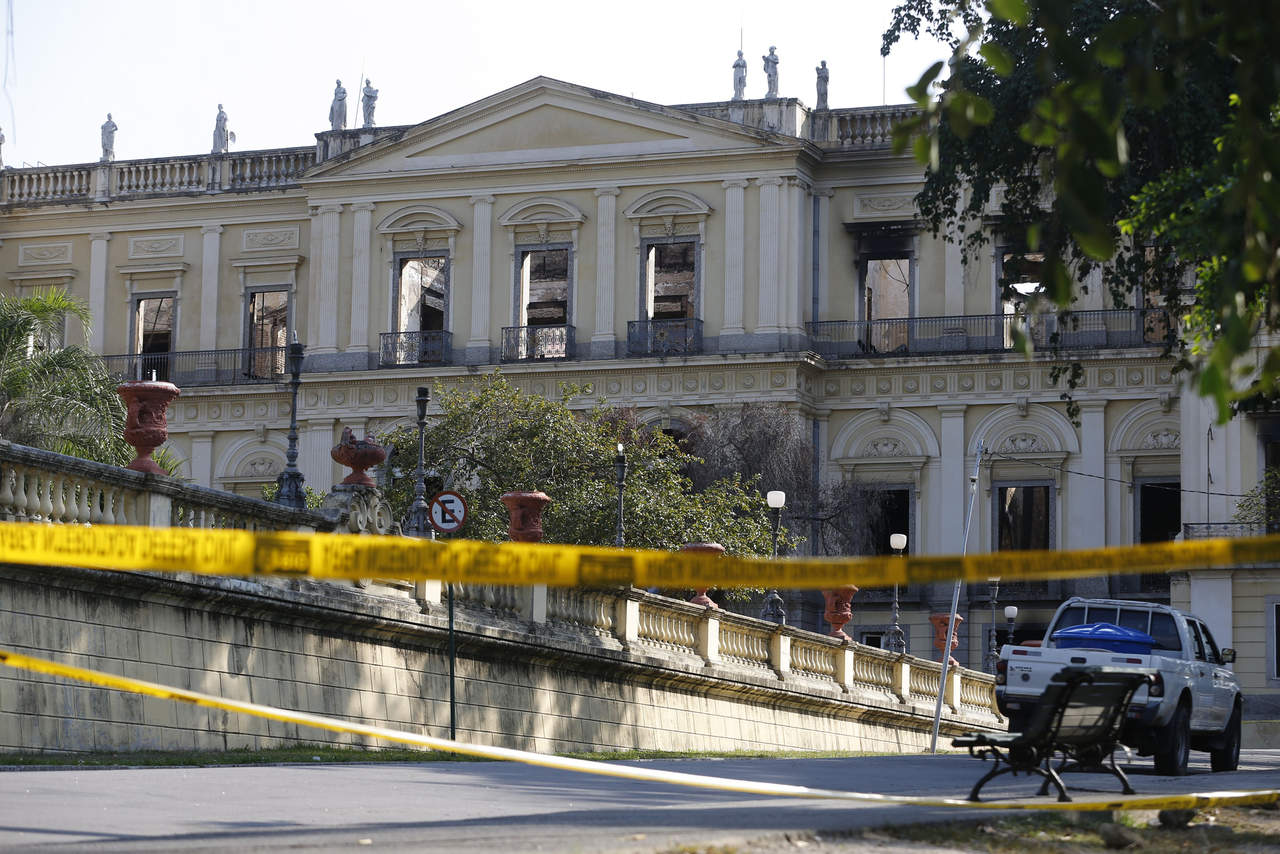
column 1165, row 632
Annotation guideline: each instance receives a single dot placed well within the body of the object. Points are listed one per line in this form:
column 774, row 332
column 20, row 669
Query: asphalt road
column 490, row 806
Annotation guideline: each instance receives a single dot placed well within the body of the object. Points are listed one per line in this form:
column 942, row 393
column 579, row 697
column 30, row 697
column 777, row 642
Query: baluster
column 46, row 500
column 33, row 494
column 82, row 504
column 6, row 491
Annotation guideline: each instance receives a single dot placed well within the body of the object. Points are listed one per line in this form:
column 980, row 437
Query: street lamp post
column 290, row 492
column 1011, row 614
column 620, row 472
column 993, row 584
column 418, row 523
column 773, row 608
column 897, row 640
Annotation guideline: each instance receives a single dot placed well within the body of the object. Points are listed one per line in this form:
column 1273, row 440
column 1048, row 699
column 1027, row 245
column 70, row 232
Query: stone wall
column 379, row 656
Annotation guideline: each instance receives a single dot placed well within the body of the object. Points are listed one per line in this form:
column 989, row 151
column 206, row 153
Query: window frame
column 520, row 301
column 249, row 292
column 647, row 244
column 882, row 241
column 135, row 304
column 398, row 262
column 1052, row 510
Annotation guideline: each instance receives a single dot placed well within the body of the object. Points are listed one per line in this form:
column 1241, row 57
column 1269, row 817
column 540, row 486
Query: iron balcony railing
column 681, row 337
column 416, row 348
column 534, row 343
column 202, row 367
column 1222, row 530
column 989, row 333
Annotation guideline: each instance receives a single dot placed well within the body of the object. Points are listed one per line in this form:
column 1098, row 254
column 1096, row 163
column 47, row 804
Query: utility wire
column 1129, row 483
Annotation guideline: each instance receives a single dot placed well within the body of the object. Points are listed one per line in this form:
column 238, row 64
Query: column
column 202, row 457
column 98, row 289
column 324, row 338
column 734, row 240
column 361, row 252
column 603, row 339
column 768, row 284
column 953, row 491
column 953, row 274
column 797, row 240
column 1086, row 517
column 210, row 263
column 315, row 441
column 481, row 279
column 821, row 252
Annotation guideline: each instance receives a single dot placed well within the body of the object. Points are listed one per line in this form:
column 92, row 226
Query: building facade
column 669, row 258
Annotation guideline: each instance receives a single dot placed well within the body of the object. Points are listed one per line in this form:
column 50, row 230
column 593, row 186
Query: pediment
column 546, row 121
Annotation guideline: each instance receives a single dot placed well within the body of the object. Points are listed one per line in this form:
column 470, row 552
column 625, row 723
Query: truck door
column 1203, row 715
column 1223, row 695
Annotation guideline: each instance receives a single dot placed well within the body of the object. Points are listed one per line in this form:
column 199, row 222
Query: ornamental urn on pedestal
column 145, row 426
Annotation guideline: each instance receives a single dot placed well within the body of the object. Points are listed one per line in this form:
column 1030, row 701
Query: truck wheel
column 1174, row 743
column 1227, row 757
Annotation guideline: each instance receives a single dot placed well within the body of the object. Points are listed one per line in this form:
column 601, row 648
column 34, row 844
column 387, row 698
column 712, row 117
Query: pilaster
column 604, row 338
column 821, row 252
column 202, row 457
column 734, row 249
column 361, row 261
column 767, row 297
column 325, row 335
column 210, row 267
column 477, row 352
column 315, row 441
column 98, row 289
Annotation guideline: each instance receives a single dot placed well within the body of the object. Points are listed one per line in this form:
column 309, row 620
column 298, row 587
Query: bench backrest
column 1082, row 706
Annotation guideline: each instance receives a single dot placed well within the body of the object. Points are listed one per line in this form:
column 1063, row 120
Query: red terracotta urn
column 145, row 426
column 700, row 593
column 939, row 622
column 357, row 455
column 526, row 515
column 839, row 610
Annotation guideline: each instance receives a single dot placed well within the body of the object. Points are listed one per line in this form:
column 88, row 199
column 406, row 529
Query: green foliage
column 1260, row 505
column 59, row 398
column 313, row 499
column 491, row 438
column 1136, row 135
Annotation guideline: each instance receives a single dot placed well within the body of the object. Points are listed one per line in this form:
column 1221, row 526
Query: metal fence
column 202, row 367
column 416, row 348
column 682, row 337
column 534, row 343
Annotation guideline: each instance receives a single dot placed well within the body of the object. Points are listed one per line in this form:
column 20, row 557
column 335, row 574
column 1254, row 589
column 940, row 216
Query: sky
column 161, row 67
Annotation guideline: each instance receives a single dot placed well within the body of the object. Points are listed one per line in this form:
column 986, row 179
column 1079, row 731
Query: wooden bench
column 1079, row 716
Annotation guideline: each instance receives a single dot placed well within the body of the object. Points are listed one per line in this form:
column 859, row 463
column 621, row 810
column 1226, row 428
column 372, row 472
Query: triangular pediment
column 546, row 121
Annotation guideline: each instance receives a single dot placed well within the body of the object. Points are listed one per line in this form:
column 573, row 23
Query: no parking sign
column 448, row 512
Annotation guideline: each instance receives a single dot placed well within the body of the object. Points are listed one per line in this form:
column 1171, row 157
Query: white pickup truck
column 1195, row 702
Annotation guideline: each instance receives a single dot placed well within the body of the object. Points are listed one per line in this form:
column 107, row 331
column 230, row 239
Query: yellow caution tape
column 728, row 784
column 245, row 553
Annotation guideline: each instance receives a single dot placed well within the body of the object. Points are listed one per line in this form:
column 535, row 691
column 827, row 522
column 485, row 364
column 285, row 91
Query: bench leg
column 1124, row 778
column 1051, row 776
column 994, row 772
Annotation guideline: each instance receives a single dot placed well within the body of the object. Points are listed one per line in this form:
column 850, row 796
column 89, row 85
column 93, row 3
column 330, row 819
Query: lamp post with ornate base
column 417, row 522
column 620, row 475
column 290, row 481
column 773, row 607
column 1011, row 614
column 897, row 640
column 993, row 654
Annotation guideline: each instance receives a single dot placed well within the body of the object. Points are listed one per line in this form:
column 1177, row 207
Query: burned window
column 423, row 292
column 887, row 288
column 268, row 319
column 1021, row 279
column 671, row 276
column 1024, row 515
column 153, row 325
column 544, row 287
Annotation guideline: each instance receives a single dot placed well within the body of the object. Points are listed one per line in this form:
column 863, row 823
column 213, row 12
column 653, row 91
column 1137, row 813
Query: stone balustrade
column 41, row 486
column 650, row 624
column 243, row 171
column 860, row 127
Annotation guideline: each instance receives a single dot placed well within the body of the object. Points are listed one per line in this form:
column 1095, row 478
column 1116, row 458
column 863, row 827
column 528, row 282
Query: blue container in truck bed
column 1106, row 636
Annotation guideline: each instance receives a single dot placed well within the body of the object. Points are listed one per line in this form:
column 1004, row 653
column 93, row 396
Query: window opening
column 1159, row 521
column 1025, row 521
column 1211, row 646
column 671, row 281
column 424, row 286
column 1165, row 632
column 153, row 335
column 1073, row 616
column 1196, row 641
column 1133, row 619
column 544, row 286
column 893, row 517
column 875, row 639
column 268, row 332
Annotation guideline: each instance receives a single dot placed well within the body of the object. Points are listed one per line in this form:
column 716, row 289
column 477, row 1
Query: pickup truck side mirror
column 1228, row 656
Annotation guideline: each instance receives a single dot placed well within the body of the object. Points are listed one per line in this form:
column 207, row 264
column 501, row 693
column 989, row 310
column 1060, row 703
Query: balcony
column 988, row 333
column 536, row 343
column 401, row 349
column 663, row 338
column 1221, row 530
column 202, row 367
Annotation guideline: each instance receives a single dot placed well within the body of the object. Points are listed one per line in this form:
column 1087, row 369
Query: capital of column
column 823, row 192
column 361, row 207
column 329, row 209
column 771, row 181
column 201, row 435
column 1092, row 405
column 482, row 200
column 211, row 229
column 100, row 235
column 951, row 410
column 607, row 191
column 734, row 183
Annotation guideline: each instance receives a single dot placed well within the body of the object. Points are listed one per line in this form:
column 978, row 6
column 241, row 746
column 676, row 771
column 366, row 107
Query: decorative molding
column 421, row 219
column 269, row 239
column 878, row 206
column 34, row 254
column 263, row 466
column 62, row 276
column 884, row 447
column 667, row 203
column 541, row 211
column 1163, row 439
column 1023, row 443
column 289, row 261
column 157, row 246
